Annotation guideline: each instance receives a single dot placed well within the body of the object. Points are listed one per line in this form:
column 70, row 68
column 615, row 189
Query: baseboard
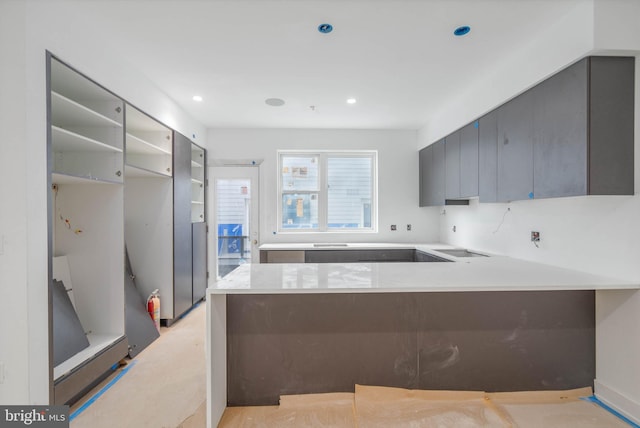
column 617, row 401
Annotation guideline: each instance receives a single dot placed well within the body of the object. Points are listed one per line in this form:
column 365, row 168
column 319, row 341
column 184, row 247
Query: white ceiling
column 398, row 58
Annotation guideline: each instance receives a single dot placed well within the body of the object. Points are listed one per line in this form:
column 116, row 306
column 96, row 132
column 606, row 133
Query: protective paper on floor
column 381, row 407
column 553, row 409
column 378, row 407
column 313, row 410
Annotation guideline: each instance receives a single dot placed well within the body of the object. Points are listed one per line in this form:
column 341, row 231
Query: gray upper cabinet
column 611, row 122
column 461, row 163
column 452, row 166
column 469, row 160
column 583, row 121
column 437, row 177
column 423, row 163
column 432, row 174
column 515, row 149
column 571, row 135
column 560, row 136
column 488, row 157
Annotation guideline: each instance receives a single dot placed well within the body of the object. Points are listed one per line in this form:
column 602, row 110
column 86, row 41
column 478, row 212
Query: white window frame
column 322, row 191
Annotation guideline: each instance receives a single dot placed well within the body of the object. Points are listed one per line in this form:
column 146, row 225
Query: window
column 327, row 191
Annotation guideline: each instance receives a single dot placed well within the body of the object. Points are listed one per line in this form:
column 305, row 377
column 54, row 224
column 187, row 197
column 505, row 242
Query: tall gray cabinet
column 189, row 226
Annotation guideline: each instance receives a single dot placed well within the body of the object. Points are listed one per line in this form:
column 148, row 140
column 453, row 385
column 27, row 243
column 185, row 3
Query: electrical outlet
column 535, row 236
column 409, row 227
column 453, row 228
column 393, row 227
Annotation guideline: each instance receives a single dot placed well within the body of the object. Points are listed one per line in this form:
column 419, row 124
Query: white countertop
column 341, row 246
column 496, row 273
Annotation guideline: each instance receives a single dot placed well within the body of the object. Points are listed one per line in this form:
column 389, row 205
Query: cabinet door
column 488, row 157
column 560, row 134
column 469, row 160
column 515, row 149
column 452, row 166
column 437, row 175
column 199, row 239
column 424, row 163
column 182, row 246
column 611, row 118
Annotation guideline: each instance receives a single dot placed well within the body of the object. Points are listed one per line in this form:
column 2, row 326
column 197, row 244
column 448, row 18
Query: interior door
column 234, row 191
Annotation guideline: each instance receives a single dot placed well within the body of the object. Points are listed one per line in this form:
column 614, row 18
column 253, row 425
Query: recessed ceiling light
column 274, row 102
column 325, row 28
column 197, row 98
column 461, row 31
column 351, row 101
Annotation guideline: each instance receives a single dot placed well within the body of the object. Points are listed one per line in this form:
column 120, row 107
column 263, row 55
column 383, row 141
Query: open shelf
column 132, row 171
column 68, row 141
column 62, row 178
column 197, row 184
column 68, row 113
column 66, row 81
column 148, row 145
column 139, row 146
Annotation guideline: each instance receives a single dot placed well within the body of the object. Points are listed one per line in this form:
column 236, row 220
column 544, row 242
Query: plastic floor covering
column 378, row 407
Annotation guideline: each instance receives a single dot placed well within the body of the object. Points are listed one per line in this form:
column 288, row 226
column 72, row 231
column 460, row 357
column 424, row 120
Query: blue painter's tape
column 530, row 195
column 104, row 389
column 594, row 399
column 476, row 124
column 189, row 311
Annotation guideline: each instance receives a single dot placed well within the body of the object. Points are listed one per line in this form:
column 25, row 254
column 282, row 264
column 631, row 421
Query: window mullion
column 322, row 194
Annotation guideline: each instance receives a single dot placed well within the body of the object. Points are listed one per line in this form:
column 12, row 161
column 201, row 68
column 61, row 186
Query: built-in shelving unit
column 119, row 179
column 197, row 184
column 86, row 155
column 148, row 193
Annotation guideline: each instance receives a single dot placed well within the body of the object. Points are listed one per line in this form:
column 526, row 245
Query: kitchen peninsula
column 474, row 323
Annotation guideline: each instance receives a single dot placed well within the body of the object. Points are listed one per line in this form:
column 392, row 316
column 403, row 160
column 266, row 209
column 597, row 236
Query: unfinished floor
column 165, row 387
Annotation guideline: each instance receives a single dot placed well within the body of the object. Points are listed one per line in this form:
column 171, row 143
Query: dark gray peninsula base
column 281, row 344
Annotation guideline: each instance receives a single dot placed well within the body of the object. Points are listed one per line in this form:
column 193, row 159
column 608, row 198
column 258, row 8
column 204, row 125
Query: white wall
column 397, row 178
column 600, row 234
column 14, row 343
column 27, row 29
column 564, row 41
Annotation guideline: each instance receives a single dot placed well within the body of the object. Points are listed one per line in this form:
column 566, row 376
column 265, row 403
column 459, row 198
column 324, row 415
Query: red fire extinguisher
column 153, row 307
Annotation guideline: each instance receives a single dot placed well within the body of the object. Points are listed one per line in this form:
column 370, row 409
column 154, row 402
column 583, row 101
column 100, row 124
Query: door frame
column 252, row 173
